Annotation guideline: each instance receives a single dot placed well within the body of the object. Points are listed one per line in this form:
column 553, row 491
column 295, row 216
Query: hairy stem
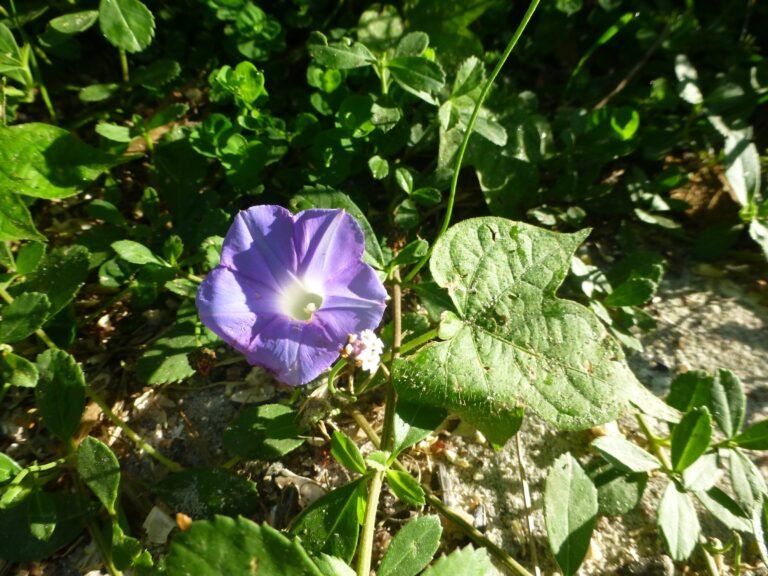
column 365, row 550
column 388, row 432
column 470, row 126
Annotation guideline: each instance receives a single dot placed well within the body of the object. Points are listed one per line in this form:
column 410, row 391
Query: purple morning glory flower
column 291, row 289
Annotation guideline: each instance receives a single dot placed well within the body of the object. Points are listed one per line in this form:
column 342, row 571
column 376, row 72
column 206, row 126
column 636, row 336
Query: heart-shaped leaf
column 518, row 343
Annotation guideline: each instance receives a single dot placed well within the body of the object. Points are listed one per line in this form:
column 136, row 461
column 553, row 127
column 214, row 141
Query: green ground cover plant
column 437, row 208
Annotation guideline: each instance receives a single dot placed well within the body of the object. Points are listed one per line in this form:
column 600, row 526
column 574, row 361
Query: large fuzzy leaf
column 515, row 342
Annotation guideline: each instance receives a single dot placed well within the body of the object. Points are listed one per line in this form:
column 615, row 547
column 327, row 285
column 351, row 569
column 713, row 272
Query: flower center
column 300, row 302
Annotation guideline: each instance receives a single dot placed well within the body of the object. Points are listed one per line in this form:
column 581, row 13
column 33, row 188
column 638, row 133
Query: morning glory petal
column 230, row 304
column 259, row 245
column 295, row 352
column 326, row 241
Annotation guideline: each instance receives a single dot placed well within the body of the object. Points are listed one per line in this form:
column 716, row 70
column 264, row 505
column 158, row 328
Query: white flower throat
column 301, row 299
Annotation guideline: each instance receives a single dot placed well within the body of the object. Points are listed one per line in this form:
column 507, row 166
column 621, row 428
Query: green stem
column 365, row 551
column 124, row 66
column 338, row 367
column 4, row 391
column 470, row 126
column 473, row 533
column 654, row 443
column 3, row 104
column 388, row 432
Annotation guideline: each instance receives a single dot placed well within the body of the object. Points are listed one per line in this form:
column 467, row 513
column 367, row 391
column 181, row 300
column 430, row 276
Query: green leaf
column 625, row 455
column 12, row 62
column 758, row 231
column 127, row 552
column 346, row 452
column 407, row 214
column 15, row 220
column 21, row 543
column 413, row 252
column 8, row 468
column 342, row 55
column 155, row 75
column 518, row 343
column 114, row 132
column 427, row 196
column 724, row 508
column 166, row 360
column 412, row 44
column 204, row 492
column 236, row 546
column 413, row 423
column 418, row 75
column 42, row 522
column 60, row 393
column 404, row 179
column 690, row 390
column 755, row 437
column 570, row 512
column 412, row 548
column 379, row 167
column 56, row 164
column 331, row 566
column 678, row 522
column 728, row 403
column 75, row 22
column 742, row 168
column 17, row 371
column 469, row 77
column 760, row 529
column 265, row 432
column 100, row 470
column 127, row 24
column 405, row 487
column 98, row 92
column 136, row 253
column 617, row 491
column 690, row 438
column 330, row 525
column 746, row 480
column 326, row 197
column 702, row 474
column 463, row 562
column 59, row 275
column 25, row 315
column 29, row 257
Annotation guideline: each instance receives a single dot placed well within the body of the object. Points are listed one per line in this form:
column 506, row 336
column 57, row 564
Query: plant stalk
column 365, row 551
column 470, row 126
column 124, row 66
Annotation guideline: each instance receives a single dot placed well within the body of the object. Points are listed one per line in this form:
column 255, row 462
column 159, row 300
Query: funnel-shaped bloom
column 290, row 289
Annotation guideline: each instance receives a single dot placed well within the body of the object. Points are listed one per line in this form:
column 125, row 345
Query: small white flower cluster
column 364, row 350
